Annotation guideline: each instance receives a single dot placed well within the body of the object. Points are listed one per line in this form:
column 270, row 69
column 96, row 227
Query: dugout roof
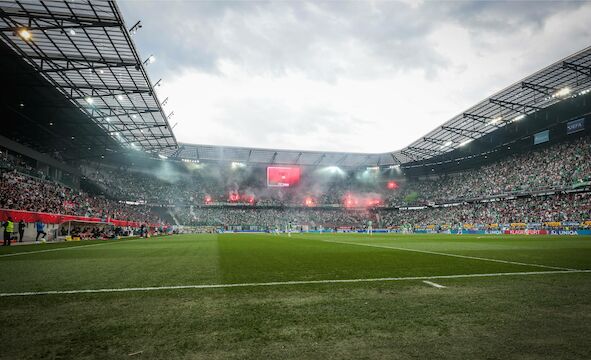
column 85, row 51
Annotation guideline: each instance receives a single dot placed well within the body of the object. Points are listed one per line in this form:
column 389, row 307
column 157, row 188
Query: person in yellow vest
column 8, row 230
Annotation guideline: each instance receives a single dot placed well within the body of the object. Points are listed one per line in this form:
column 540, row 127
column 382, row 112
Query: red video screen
column 282, row 176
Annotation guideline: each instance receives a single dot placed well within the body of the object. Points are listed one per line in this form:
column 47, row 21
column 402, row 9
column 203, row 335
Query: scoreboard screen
column 282, row 176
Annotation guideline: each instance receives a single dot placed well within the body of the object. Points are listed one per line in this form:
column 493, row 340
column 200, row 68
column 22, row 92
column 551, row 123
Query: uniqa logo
column 564, row 232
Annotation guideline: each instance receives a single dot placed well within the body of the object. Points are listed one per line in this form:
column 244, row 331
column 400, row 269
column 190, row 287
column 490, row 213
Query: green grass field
column 341, row 296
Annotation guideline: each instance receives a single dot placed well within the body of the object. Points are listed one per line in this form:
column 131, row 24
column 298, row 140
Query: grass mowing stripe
column 65, row 248
column 453, row 255
column 282, row 283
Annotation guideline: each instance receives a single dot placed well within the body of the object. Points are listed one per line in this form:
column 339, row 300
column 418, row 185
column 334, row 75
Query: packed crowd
column 269, row 218
column 10, row 161
column 22, row 192
column 538, row 209
column 556, row 167
column 197, row 195
column 560, row 166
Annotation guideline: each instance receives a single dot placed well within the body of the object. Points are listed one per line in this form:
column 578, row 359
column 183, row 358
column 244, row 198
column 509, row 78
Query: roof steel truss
column 84, row 50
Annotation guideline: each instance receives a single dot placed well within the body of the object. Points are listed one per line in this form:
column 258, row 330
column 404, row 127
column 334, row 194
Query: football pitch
column 308, row 296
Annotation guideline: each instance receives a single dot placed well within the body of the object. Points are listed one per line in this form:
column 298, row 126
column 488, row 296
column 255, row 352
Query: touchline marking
column 453, row 255
column 283, row 283
column 64, row 248
column 434, row 284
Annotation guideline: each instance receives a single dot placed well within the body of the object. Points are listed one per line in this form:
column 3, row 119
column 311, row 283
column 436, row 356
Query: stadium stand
column 104, row 150
column 23, row 192
column 530, row 187
column 555, row 169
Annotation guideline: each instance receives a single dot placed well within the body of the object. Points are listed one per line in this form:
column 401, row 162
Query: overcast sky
column 345, row 76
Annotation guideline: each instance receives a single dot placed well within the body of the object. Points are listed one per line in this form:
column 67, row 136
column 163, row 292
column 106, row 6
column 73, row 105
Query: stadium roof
column 280, row 157
column 563, row 79
column 84, row 50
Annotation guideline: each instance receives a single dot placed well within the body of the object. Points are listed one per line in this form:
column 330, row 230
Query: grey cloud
column 502, row 16
column 315, row 38
column 318, row 38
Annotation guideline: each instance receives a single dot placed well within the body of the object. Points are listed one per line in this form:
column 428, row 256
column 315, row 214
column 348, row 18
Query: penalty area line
column 287, row 283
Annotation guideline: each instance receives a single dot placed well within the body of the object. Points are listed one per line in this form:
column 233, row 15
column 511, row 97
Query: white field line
column 453, row 255
column 285, row 283
column 434, row 284
column 65, row 248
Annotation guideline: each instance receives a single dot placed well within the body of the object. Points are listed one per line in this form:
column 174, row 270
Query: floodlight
column 119, row 97
column 496, row 120
column 89, row 100
column 149, row 60
column 465, row 142
column 72, row 32
column 332, row 170
column 517, row 118
column 562, row 92
column 25, row 34
column 134, row 29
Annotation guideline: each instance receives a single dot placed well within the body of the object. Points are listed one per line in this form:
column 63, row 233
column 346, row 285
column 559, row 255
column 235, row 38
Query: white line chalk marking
column 434, row 284
column 452, row 255
column 283, row 283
